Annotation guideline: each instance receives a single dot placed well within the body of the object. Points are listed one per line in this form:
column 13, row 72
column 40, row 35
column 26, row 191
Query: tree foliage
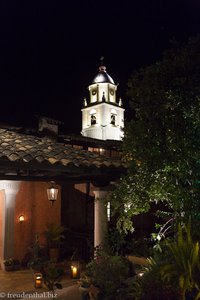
column 162, row 142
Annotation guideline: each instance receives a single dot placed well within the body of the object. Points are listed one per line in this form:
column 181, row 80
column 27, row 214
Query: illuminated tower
column 103, row 115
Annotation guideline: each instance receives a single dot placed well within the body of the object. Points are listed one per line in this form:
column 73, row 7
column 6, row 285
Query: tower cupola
column 102, row 114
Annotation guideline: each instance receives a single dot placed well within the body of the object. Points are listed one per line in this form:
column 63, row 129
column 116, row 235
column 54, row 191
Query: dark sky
column 50, row 50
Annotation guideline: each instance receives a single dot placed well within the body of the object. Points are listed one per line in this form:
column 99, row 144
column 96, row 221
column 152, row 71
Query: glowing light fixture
column 108, row 211
column 75, row 269
column 38, row 280
column 21, row 218
column 52, row 192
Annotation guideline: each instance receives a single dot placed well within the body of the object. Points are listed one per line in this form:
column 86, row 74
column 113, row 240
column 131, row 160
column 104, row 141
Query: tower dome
column 102, row 76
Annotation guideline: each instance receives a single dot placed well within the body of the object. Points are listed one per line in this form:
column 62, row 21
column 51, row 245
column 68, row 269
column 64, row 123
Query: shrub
column 52, row 276
column 184, row 269
column 108, row 274
column 175, row 272
column 9, row 262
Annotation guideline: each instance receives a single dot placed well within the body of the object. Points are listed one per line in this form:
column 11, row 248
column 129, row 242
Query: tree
column 162, row 141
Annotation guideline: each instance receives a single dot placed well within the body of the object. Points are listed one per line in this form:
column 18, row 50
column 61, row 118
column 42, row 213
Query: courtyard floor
column 20, row 285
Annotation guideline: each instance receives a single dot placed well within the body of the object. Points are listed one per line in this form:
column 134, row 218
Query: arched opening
column 93, row 118
column 113, row 117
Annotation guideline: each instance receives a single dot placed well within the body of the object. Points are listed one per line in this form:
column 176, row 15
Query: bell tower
column 102, row 115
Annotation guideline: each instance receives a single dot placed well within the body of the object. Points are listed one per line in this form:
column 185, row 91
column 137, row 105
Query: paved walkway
column 69, row 293
column 20, row 284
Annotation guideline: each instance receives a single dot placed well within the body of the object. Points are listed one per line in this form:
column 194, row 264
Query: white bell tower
column 103, row 115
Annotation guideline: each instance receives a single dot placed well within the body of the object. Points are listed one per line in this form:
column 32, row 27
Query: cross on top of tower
column 101, row 60
column 102, row 67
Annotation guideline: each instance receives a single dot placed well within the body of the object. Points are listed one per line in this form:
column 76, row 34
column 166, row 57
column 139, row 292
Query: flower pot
column 9, row 268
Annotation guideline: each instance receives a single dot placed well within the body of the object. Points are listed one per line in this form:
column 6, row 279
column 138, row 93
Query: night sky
column 50, row 50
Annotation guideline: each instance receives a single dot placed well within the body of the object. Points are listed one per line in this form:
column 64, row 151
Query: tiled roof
column 17, row 147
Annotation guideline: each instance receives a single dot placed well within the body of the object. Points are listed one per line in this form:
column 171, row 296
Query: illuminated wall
column 103, row 129
column 32, row 202
column 103, row 115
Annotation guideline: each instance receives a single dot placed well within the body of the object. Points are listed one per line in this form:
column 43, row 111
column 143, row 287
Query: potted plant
column 12, row 264
column 52, row 276
column 84, row 286
column 54, row 236
column 8, row 263
column 37, row 256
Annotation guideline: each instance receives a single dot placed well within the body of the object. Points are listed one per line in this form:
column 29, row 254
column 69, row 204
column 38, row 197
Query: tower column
column 9, row 190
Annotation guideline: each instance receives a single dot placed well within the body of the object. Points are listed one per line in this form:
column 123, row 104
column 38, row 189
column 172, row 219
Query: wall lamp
column 21, row 218
column 52, row 192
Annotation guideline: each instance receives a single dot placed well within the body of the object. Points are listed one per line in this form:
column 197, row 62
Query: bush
column 52, row 276
column 174, row 273
column 153, row 288
column 9, row 262
column 108, row 274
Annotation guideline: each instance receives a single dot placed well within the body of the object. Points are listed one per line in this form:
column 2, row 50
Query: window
column 113, row 117
column 108, row 211
column 93, row 119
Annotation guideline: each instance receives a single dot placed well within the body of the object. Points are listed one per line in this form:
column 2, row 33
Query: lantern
column 75, row 270
column 52, row 192
column 38, row 280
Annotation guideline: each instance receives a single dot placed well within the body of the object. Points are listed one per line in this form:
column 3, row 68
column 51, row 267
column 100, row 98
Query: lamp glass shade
column 52, row 192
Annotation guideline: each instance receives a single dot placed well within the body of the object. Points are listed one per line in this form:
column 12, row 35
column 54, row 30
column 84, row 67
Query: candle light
column 38, row 280
column 75, row 270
